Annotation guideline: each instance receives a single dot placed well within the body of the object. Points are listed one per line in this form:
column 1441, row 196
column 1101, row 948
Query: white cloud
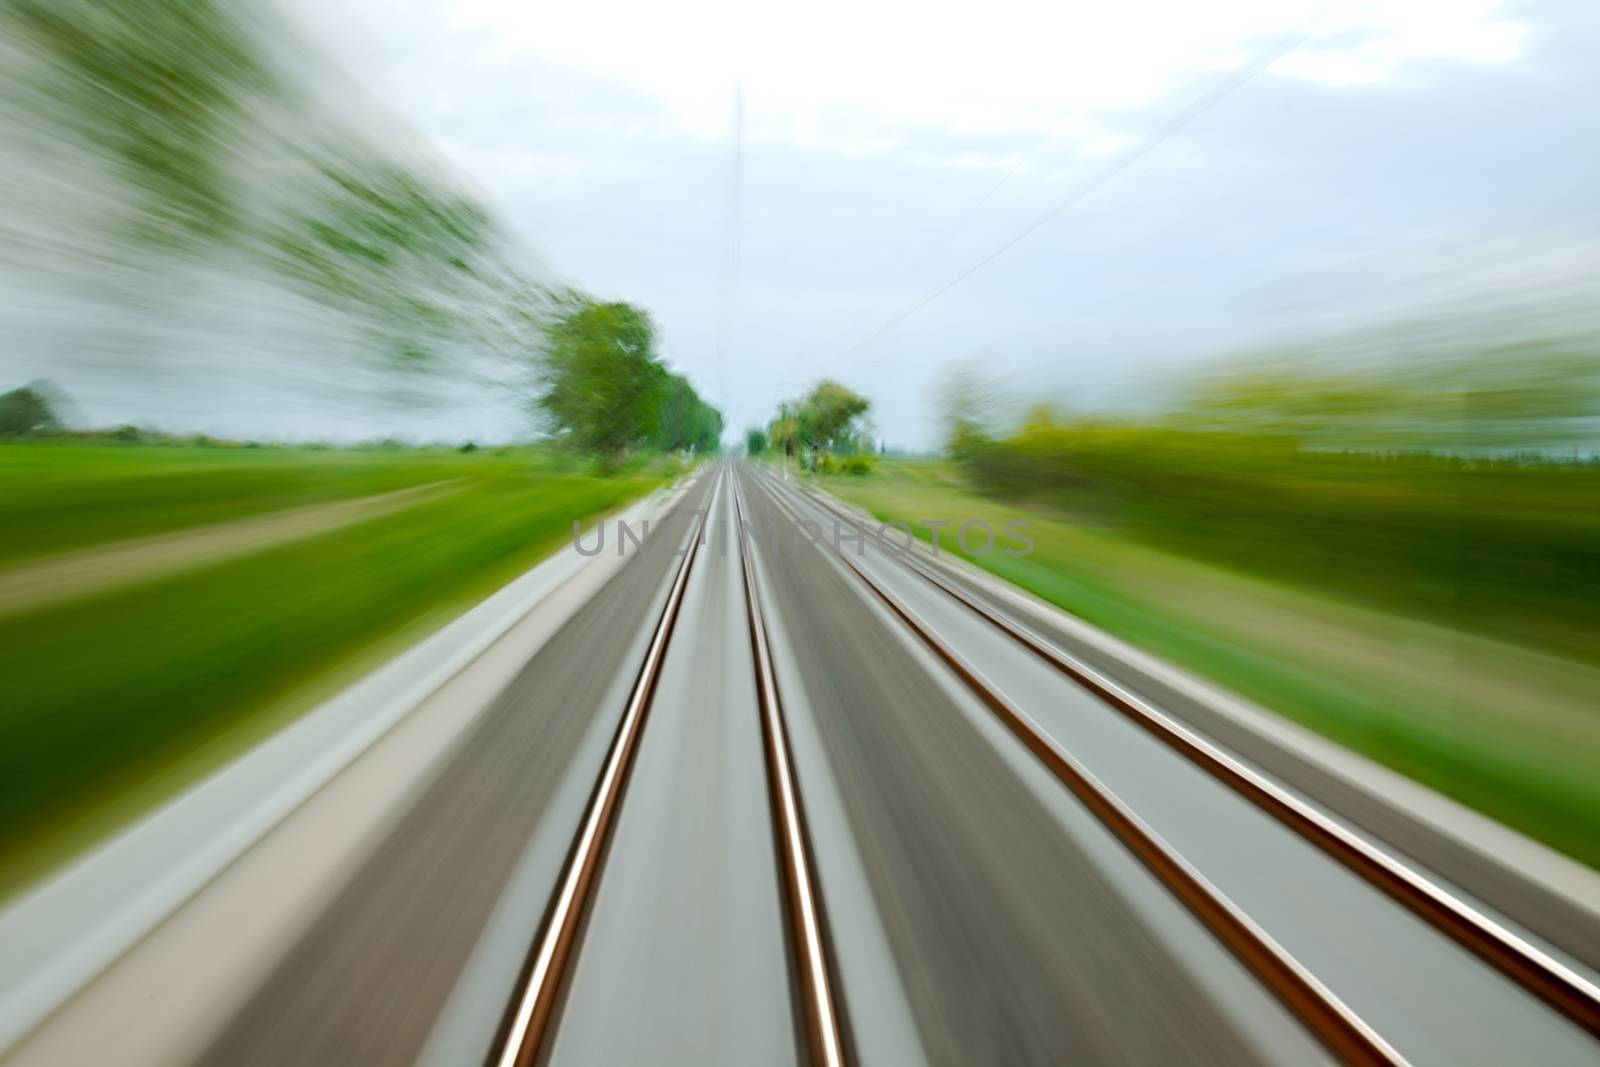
column 848, row 76
column 1372, row 44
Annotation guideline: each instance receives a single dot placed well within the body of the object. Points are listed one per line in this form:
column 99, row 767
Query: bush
column 858, row 464
column 828, row 463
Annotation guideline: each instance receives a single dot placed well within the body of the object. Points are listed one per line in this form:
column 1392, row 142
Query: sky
column 1209, row 177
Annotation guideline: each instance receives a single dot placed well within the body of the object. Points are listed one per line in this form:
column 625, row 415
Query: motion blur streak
column 1221, row 684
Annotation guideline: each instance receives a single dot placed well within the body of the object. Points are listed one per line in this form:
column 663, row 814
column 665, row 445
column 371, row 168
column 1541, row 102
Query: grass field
column 1508, row 728
column 116, row 698
column 61, row 496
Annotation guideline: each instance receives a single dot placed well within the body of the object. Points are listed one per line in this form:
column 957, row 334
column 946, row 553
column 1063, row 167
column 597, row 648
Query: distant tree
column 829, row 420
column 681, row 420
column 830, row 416
column 971, row 408
column 755, row 440
column 974, row 410
column 708, row 433
column 784, row 430
column 25, row 411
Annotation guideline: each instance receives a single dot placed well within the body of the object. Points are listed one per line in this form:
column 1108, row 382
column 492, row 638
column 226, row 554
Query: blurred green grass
column 108, row 695
column 63, row 495
column 1502, row 545
column 1391, row 667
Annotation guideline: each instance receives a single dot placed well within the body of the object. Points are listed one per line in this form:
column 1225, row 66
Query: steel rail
column 1323, row 1014
column 528, row 1023
column 1558, row 985
column 808, row 934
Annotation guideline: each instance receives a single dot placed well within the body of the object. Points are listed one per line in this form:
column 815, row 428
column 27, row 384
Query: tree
column 603, row 390
column 831, row 418
column 599, row 377
column 755, row 441
column 26, row 410
column 784, row 430
column 833, row 412
column 975, row 410
column 682, row 420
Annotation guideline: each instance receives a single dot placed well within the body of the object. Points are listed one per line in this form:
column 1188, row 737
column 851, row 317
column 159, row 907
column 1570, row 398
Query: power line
column 913, row 265
column 1214, row 96
column 727, row 289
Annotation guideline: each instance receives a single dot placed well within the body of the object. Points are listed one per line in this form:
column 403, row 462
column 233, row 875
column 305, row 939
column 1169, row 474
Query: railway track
column 1027, row 861
column 533, row 1013
column 1340, row 1029
column 1558, row 985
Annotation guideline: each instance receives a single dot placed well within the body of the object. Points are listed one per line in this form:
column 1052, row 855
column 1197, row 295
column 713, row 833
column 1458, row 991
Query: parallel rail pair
column 1322, row 1012
column 530, row 1022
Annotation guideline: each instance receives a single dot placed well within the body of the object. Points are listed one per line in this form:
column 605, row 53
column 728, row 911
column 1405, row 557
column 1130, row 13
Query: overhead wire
column 1215, row 95
column 733, row 239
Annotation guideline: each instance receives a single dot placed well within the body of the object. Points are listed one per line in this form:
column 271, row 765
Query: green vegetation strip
column 61, row 495
column 1506, row 729
column 106, row 695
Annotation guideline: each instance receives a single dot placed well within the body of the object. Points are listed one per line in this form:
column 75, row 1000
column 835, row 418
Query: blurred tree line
column 213, row 142
column 224, row 155
column 157, row 87
column 1419, row 485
